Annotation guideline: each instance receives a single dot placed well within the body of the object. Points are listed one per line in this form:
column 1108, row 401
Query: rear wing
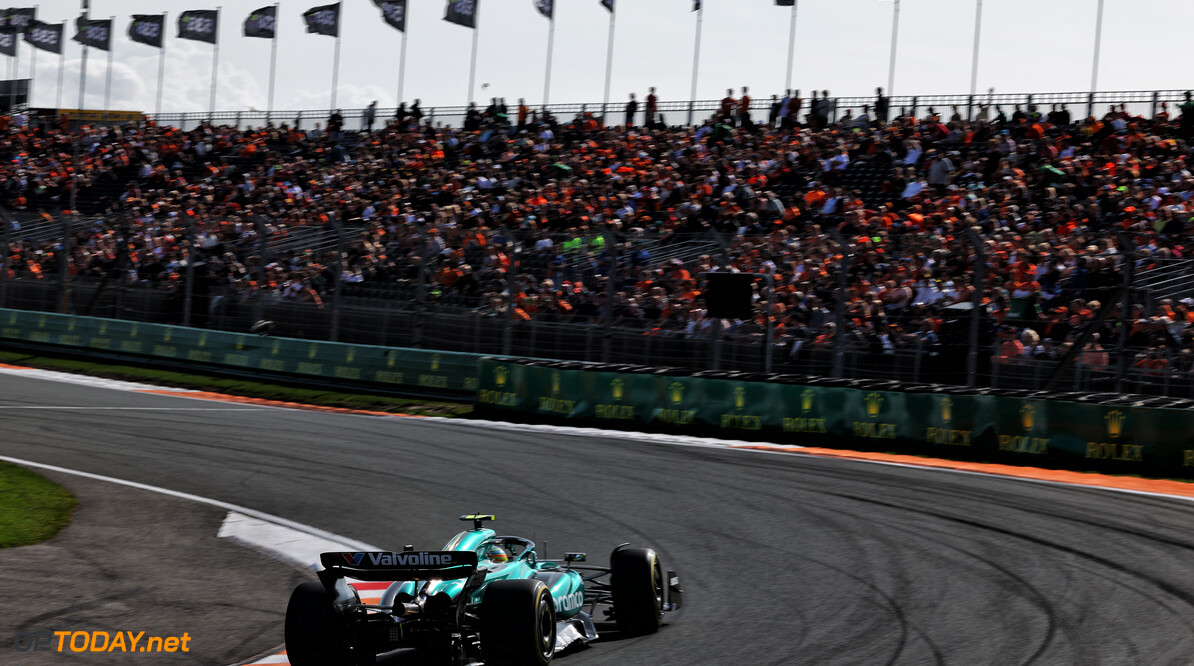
column 409, row 565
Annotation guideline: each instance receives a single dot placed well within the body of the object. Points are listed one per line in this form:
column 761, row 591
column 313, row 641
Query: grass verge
column 32, row 507
column 251, row 389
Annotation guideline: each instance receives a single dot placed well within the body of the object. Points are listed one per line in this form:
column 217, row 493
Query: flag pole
column 402, row 64
column 978, row 33
column 551, row 41
column 336, row 63
column 696, row 62
column 215, row 68
column 1094, row 74
column 161, row 68
column 61, row 69
column 609, row 64
column 108, row 85
column 791, row 46
column 16, row 74
column 32, row 63
column 32, row 74
column 273, row 63
column 472, row 70
column 83, row 66
column 895, row 35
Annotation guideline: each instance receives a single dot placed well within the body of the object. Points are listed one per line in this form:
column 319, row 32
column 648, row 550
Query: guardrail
column 387, row 369
column 1106, row 431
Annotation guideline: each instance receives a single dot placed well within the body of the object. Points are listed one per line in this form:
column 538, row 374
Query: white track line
column 313, row 535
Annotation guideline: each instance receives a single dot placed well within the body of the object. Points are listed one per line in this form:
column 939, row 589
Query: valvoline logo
column 353, row 558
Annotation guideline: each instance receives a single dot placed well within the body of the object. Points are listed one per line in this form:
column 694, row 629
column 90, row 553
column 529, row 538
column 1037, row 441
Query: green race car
column 482, row 598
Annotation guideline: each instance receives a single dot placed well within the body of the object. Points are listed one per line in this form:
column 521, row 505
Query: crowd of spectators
column 1052, row 197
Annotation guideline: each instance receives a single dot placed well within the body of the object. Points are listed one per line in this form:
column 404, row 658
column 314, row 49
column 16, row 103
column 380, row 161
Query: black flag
column 394, row 12
column 609, row 4
column 199, row 25
column 261, row 23
column 96, row 33
column 786, row 3
column 148, row 29
column 17, row 19
column 696, row 5
column 8, row 43
column 462, row 12
column 323, row 20
column 45, row 36
column 546, row 8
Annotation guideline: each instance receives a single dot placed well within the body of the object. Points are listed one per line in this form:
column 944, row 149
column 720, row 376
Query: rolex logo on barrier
column 501, row 376
column 805, row 423
column 945, row 435
column 874, row 403
column 675, row 394
column 1115, row 423
column 555, row 404
column 871, row 429
column 738, row 420
column 1116, row 420
column 617, row 389
column 431, row 379
column 1025, row 443
column 806, row 400
column 1028, row 417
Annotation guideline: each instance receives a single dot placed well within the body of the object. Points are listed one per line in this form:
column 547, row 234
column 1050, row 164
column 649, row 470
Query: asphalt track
column 785, row 559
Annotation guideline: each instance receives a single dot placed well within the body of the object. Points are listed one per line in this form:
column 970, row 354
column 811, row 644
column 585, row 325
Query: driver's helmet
column 495, row 554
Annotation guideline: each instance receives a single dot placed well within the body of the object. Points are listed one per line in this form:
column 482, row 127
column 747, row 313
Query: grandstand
column 575, row 240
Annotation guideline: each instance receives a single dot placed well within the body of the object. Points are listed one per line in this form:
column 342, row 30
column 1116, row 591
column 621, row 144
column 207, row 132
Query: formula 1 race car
column 483, row 597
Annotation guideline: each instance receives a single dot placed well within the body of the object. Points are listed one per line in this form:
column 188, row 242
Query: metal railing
column 1141, row 102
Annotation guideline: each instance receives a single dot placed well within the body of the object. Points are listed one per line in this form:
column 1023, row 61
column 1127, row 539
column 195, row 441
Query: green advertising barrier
column 969, row 426
column 433, row 371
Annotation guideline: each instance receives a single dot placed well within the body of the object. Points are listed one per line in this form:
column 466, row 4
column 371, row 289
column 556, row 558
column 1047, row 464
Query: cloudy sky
column 841, row 45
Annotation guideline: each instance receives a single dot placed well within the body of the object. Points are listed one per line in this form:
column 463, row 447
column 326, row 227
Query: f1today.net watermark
column 99, row 641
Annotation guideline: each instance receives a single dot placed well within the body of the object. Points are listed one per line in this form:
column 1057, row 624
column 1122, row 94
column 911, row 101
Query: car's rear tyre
column 518, row 623
column 636, row 577
column 315, row 634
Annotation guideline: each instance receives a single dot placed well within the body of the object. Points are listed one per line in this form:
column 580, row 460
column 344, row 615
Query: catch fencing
column 419, row 313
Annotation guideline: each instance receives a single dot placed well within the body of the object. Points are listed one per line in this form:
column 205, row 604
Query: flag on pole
column 462, row 12
column 546, row 8
column 696, row 5
column 608, row 4
column 323, row 20
column 45, row 36
column 393, row 12
column 147, row 29
column 8, row 43
column 17, row 19
column 786, row 3
column 261, row 23
column 199, row 25
column 96, row 33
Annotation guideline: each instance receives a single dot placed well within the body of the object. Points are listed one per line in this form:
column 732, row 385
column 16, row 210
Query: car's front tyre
column 518, row 623
column 636, row 577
